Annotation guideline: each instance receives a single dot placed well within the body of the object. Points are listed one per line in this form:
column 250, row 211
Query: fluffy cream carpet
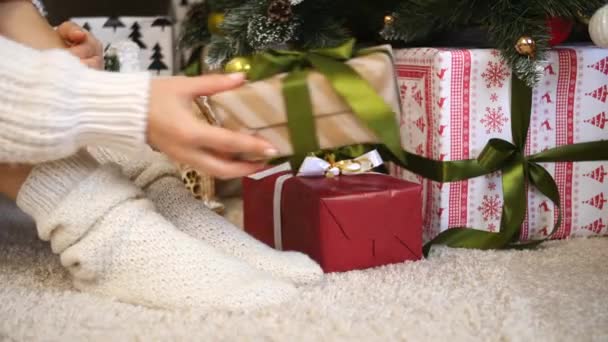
column 556, row 293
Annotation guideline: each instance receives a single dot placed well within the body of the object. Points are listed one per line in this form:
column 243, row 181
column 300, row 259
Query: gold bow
column 329, row 167
column 348, row 166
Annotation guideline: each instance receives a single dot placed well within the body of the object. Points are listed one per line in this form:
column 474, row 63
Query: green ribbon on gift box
column 356, row 92
column 517, row 170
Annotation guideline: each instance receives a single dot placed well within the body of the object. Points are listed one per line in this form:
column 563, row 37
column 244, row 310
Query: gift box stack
column 432, row 111
column 343, row 222
column 455, row 101
column 452, row 102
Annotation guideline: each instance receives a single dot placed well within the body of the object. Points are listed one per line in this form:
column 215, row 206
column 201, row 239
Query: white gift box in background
column 153, row 35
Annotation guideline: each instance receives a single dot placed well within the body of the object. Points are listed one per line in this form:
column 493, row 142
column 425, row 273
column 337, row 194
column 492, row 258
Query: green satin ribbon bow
column 356, row 91
column 517, row 171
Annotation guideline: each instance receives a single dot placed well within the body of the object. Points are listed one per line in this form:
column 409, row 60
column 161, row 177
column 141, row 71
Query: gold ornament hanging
column 389, row 19
column 214, row 21
column 526, row 46
column 238, row 64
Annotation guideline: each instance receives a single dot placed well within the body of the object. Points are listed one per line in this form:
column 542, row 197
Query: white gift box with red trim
column 455, row 100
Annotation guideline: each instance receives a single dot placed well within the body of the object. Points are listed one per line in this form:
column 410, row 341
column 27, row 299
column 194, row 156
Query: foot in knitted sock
column 115, row 244
column 158, row 178
column 176, row 204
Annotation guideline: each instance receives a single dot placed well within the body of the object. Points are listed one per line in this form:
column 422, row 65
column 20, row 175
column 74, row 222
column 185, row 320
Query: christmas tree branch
column 250, row 26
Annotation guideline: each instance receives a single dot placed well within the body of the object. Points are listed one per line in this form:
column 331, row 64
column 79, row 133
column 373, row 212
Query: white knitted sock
column 114, row 243
column 161, row 182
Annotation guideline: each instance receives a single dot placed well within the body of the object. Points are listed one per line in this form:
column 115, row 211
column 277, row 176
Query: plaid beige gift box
column 259, row 107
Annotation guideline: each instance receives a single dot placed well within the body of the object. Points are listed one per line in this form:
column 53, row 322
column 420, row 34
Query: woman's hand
column 174, row 130
column 82, row 44
column 172, row 126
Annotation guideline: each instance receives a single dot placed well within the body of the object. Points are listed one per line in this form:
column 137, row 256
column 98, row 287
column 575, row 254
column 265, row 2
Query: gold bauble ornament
column 389, row 19
column 526, row 46
column 238, row 64
column 214, row 21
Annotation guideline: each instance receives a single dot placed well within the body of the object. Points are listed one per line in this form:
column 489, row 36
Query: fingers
column 212, row 149
column 173, row 128
column 220, row 167
column 71, row 32
column 87, row 50
column 83, row 44
column 211, row 84
column 95, row 62
column 223, row 140
column 77, row 37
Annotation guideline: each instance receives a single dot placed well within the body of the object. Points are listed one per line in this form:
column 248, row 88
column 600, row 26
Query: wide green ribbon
column 517, row 170
column 362, row 98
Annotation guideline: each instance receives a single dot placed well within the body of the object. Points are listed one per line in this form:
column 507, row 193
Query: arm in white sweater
column 51, row 105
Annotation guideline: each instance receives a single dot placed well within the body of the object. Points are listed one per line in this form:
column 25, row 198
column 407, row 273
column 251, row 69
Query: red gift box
column 343, row 223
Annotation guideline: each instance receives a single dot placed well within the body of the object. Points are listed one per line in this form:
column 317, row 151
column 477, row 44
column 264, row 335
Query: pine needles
column 249, row 28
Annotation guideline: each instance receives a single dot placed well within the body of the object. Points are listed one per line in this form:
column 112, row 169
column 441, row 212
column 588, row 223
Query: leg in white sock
column 114, row 243
column 191, row 216
column 162, row 185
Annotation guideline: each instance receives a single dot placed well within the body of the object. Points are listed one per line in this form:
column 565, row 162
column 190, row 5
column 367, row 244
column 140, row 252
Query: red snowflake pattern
column 494, row 97
column 490, row 207
column 418, row 97
column 491, row 227
column 496, row 74
column 403, row 90
column 420, row 124
column 494, row 120
column 495, row 53
column 491, row 186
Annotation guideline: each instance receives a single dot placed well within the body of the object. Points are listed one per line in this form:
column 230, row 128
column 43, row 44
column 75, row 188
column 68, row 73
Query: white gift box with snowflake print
column 454, row 101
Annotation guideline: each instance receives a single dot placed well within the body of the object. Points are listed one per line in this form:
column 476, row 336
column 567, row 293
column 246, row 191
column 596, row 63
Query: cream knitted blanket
column 557, row 293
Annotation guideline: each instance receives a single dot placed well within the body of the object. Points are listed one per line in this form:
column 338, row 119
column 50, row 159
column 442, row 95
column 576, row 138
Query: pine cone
column 264, row 33
column 280, row 10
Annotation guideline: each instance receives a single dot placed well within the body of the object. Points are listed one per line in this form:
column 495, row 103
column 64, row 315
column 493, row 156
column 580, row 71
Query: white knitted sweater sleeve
column 51, row 105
